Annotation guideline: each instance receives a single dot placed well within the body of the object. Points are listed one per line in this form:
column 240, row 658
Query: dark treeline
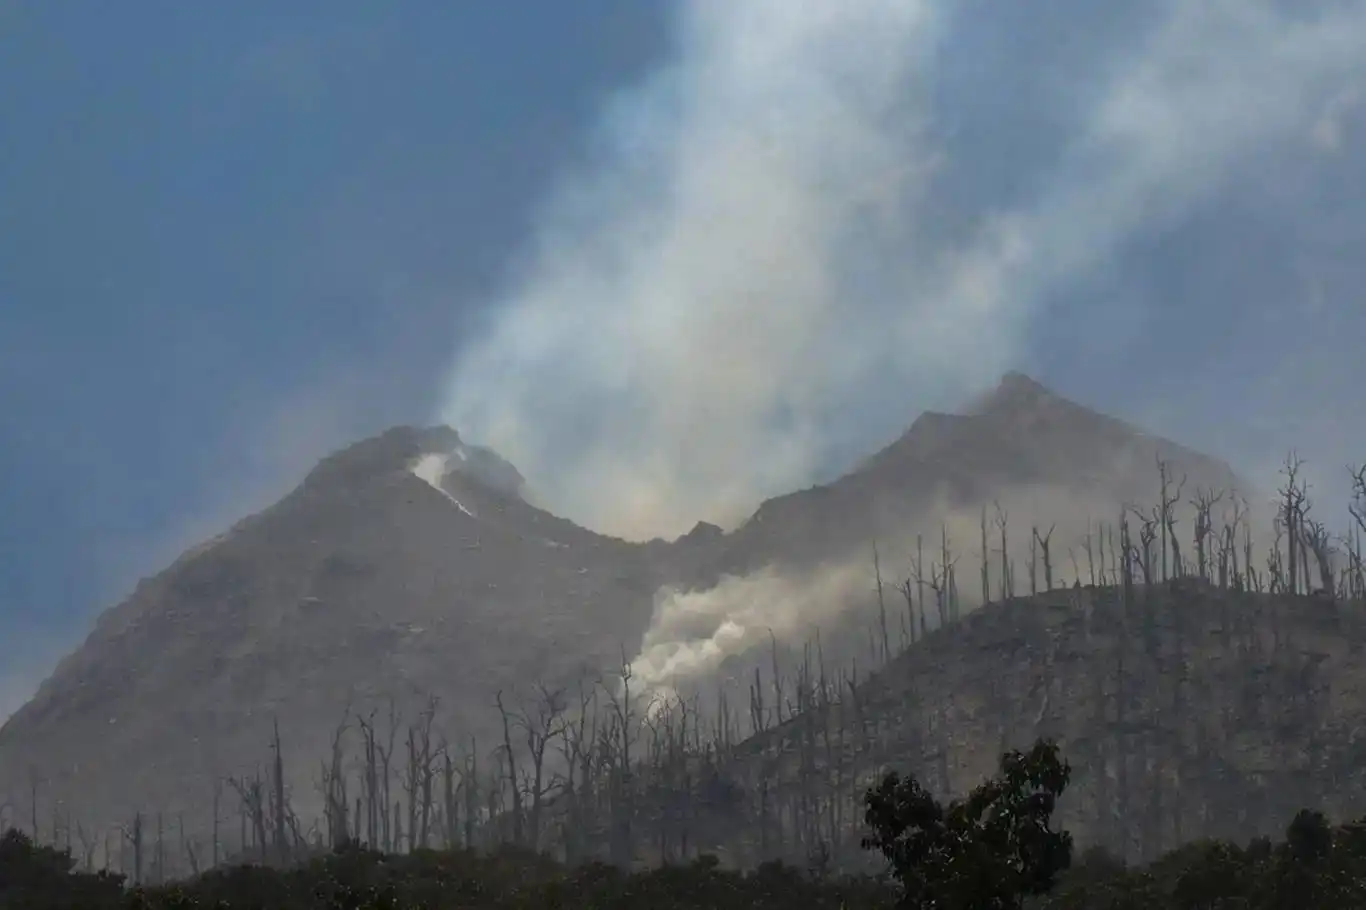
column 995, row 849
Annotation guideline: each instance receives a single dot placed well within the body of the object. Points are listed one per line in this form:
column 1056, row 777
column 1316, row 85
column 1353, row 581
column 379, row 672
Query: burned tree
column 1166, row 518
column 508, row 760
column 1293, row 501
column 1043, row 543
column 1007, row 584
column 418, row 777
column 1204, row 503
column 541, row 726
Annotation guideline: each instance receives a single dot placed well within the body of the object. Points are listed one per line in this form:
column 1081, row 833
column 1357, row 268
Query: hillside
column 363, row 584
column 370, row 586
column 1019, row 439
column 1187, row 712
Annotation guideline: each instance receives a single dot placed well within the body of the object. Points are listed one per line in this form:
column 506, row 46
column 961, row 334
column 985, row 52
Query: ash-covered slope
column 408, row 566
column 365, row 582
column 1056, row 459
column 1189, row 711
column 804, row 562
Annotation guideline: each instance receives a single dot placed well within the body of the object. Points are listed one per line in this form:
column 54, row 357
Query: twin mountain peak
column 370, row 582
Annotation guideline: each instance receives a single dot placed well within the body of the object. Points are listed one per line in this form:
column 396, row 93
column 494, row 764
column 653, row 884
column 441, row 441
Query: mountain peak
column 1014, row 391
column 400, row 448
column 392, row 450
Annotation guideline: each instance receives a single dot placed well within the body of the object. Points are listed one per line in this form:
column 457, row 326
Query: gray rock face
column 370, row 585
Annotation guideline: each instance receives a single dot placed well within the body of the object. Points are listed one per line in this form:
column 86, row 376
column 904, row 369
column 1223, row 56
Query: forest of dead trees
column 776, row 766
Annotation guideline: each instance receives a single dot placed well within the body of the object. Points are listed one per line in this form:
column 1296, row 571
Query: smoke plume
column 746, row 265
column 692, row 633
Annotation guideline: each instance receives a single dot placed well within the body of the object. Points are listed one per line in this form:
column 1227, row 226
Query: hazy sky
column 235, row 236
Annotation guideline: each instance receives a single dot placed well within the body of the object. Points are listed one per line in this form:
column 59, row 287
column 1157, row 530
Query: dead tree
column 777, row 679
column 948, row 563
column 1166, row 518
column 189, row 848
column 370, row 784
column 540, row 730
column 1044, row 543
column 134, row 838
column 449, row 816
column 908, row 592
column 1147, row 536
column 1126, row 571
column 253, row 798
column 336, row 802
column 493, row 797
column 919, row 583
column 470, row 783
column 618, row 740
column 1357, row 507
column 278, row 807
column 186, row 849
column 1007, row 583
column 386, row 759
column 938, row 584
column 1204, row 503
column 757, row 711
column 576, row 750
column 33, row 781
column 1293, row 496
column 881, row 604
column 1034, row 561
column 1275, row 564
column 1090, row 555
column 215, row 804
column 418, row 776
column 985, row 571
column 1320, row 544
column 88, row 842
column 509, row 761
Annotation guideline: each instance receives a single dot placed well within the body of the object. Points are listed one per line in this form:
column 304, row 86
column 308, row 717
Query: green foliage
column 32, row 876
column 986, row 852
column 359, row 879
column 1316, row 867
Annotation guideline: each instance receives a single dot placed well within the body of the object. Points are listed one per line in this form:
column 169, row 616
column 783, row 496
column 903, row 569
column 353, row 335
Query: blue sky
column 236, row 236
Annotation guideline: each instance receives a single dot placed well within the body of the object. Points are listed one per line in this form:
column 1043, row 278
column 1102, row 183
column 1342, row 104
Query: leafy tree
column 34, row 876
column 986, row 852
column 1309, row 837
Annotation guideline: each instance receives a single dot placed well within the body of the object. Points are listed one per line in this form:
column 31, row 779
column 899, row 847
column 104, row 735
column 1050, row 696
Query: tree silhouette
column 986, row 852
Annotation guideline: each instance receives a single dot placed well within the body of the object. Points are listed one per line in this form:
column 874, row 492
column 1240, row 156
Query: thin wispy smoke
column 745, row 260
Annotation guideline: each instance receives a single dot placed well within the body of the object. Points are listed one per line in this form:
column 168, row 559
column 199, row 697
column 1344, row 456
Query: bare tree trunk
column 510, row 758
column 881, row 604
column 278, row 796
column 1007, row 583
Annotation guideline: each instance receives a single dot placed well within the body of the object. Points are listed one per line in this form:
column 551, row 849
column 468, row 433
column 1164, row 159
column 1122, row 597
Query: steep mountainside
column 407, row 566
column 364, row 583
column 1186, row 711
column 1019, row 439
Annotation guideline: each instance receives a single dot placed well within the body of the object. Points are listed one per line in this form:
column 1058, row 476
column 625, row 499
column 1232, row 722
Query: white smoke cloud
column 692, row 633
column 746, row 255
column 684, row 289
